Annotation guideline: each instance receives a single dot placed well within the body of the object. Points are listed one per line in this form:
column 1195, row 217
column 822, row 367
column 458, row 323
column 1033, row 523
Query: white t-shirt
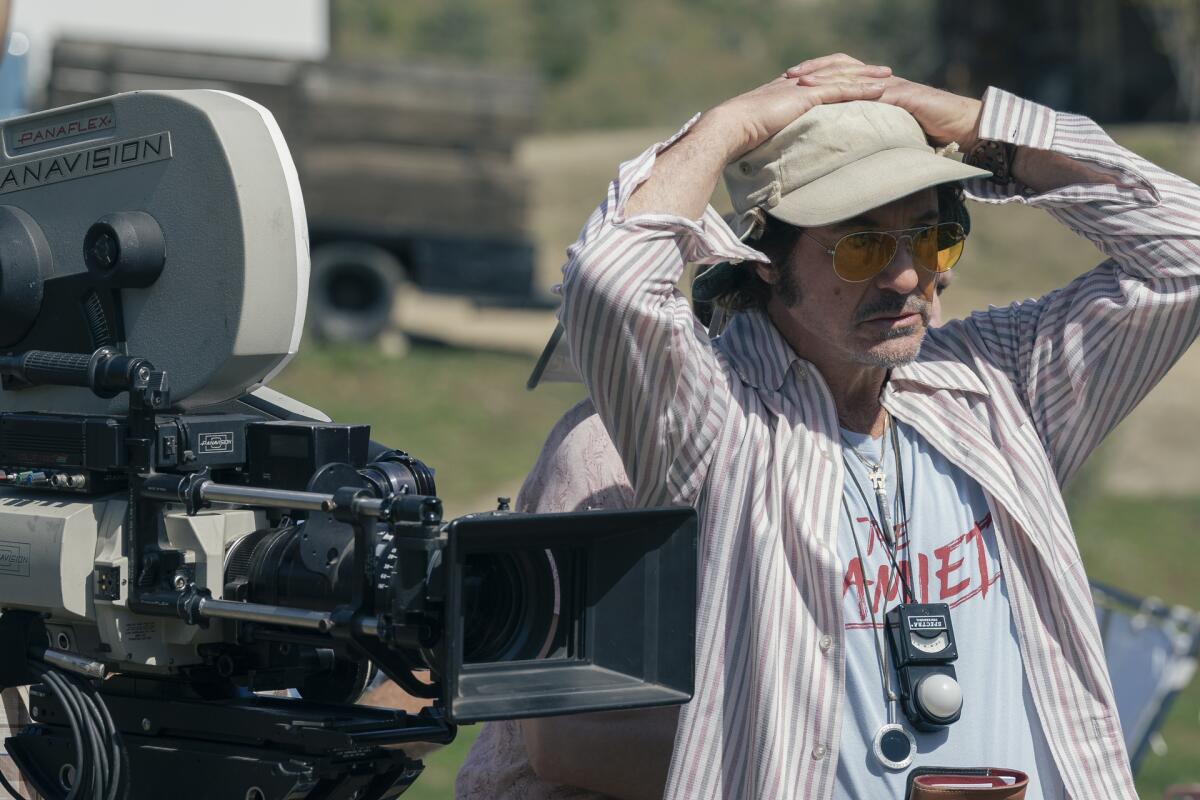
column 948, row 547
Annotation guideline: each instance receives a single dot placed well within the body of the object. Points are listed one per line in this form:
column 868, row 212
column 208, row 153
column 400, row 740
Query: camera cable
column 101, row 766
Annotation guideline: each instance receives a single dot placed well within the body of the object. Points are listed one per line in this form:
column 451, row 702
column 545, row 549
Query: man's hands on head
column 947, row 117
column 750, row 119
column 761, row 113
column 944, row 116
column 686, row 173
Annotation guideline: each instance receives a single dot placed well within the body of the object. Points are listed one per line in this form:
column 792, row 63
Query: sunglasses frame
column 899, row 235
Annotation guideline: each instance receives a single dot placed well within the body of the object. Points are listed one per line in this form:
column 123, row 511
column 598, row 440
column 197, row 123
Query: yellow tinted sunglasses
column 863, row 255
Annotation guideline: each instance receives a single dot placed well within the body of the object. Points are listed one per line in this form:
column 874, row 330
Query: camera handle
column 107, row 372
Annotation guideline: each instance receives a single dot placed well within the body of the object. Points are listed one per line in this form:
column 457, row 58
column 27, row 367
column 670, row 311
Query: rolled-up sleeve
column 1085, row 355
column 643, row 355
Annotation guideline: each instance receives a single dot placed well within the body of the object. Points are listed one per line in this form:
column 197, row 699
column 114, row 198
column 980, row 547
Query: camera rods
column 196, row 491
column 352, row 505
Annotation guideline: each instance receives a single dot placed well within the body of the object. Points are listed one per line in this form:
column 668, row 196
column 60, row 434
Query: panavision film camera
column 178, row 543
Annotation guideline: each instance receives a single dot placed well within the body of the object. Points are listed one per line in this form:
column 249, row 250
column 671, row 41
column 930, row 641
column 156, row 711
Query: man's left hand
column 944, row 116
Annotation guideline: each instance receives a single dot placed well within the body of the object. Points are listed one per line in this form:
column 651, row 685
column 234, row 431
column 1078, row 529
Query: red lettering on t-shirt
column 960, row 577
column 923, row 576
column 855, row 578
column 942, row 554
column 976, row 535
column 887, row 583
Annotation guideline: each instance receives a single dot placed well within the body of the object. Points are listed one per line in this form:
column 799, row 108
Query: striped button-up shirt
column 747, row 431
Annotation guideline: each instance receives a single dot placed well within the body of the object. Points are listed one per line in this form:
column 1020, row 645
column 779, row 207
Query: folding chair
column 1152, row 653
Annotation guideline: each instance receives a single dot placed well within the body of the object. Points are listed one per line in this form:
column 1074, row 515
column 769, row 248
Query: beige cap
column 838, row 161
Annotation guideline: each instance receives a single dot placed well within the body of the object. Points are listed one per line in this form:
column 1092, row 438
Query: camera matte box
column 628, row 597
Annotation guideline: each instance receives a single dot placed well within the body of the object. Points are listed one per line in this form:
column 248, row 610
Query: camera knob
column 25, row 262
column 939, row 697
column 125, row 249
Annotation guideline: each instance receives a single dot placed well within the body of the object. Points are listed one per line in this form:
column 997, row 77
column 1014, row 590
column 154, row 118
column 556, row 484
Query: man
column 777, row 431
column 572, row 757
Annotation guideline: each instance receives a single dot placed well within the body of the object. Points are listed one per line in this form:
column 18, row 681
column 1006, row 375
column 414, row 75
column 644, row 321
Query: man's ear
column 763, row 270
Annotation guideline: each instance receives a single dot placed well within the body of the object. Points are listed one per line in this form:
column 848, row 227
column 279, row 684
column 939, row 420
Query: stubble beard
column 787, row 289
column 897, row 346
column 890, row 358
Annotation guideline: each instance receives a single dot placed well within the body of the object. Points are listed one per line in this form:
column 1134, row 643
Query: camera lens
column 511, row 606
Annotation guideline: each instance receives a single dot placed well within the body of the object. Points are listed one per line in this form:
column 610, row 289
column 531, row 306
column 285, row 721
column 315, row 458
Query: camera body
column 176, row 538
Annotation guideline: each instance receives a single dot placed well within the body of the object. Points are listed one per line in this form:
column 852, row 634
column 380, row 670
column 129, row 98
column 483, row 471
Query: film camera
column 177, row 540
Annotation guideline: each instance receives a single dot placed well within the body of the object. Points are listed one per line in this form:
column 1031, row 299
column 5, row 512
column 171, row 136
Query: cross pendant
column 878, row 480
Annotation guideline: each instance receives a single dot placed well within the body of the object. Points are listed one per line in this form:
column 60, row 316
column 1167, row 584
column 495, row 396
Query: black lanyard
column 888, row 534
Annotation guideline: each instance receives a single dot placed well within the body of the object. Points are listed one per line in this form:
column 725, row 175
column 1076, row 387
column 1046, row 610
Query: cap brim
column 554, row 364
column 868, row 183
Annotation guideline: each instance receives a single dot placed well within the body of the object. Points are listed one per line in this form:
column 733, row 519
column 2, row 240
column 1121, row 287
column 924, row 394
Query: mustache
column 893, row 304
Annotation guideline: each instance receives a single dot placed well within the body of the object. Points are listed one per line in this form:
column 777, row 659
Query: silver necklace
column 878, row 479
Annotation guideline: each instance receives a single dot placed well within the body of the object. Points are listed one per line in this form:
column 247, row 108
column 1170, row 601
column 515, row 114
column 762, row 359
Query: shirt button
column 826, row 643
column 818, row 752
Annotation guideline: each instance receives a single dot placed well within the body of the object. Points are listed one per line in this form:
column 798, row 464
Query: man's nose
column 901, row 275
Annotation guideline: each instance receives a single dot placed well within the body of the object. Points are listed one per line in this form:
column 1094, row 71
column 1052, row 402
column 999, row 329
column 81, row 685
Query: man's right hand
column 686, row 173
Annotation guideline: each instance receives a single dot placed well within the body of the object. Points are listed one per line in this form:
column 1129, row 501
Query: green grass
column 468, row 415
column 1148, row 546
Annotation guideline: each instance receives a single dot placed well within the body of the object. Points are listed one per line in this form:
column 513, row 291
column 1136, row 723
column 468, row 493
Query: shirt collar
column 758, row 352
column 762, row 358
column 939, row 366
